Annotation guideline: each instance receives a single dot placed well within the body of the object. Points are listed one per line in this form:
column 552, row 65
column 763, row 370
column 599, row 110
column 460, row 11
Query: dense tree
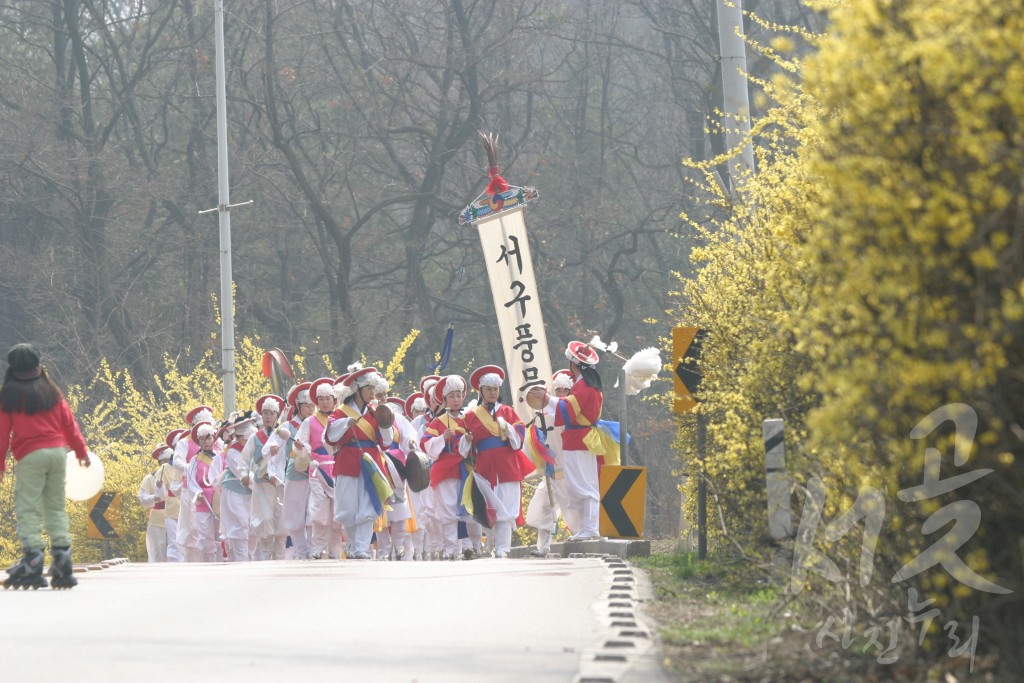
column 353, row 127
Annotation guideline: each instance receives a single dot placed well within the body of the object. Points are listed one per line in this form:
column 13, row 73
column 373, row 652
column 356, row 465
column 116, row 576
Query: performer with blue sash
column 495, row 434
column 448, row 472
column 551, row 496
column 578, row 413
column 359, row 429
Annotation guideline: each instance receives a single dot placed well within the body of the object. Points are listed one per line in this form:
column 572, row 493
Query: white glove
column 502, row 427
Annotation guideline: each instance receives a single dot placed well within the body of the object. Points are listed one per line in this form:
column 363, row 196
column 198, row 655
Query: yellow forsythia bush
column 871, row 273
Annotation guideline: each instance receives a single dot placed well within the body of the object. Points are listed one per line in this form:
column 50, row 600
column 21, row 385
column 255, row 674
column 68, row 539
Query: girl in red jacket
column 37, row 426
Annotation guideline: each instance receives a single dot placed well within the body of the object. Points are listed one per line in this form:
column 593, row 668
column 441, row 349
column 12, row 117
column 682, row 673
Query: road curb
column 621, row 548
column 95, row 567
column 627, row 651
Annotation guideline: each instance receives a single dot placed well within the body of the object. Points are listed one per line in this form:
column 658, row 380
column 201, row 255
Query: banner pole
column 623, row 442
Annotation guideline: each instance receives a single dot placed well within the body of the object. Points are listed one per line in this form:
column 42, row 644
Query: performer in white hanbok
column 236, row 491
column 327, row 536
column 185, row 450
column 172, row 486
column 199, row 488
column 295, row 498
column 420, row 501
column 434, row 541
column 266, row 473
column 550, row 498
column 153, row 497
column 391, row 537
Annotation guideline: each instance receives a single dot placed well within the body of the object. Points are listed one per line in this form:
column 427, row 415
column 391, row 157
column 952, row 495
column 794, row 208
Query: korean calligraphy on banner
column 516, row 300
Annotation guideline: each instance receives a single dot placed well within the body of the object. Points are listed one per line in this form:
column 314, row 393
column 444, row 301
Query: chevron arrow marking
column 96, row 515
column 622, row 503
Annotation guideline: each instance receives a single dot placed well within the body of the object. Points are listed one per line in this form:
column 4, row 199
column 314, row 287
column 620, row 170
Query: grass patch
column 720, row 602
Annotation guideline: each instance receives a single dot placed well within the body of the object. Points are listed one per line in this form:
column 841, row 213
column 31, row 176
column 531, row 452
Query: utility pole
column 736, row 118
column 224, row 206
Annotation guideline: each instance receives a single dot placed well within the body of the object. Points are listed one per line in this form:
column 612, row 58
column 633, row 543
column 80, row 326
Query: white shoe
column 360, row 555
column 500, row 555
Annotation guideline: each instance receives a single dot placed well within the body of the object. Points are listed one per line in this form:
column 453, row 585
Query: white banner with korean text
column 516, row 303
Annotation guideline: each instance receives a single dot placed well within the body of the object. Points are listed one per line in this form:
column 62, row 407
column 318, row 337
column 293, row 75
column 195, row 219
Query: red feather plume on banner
column 497, row 185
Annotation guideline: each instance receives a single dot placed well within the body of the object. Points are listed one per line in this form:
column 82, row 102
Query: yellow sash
column 597, row 440
column 488, row 421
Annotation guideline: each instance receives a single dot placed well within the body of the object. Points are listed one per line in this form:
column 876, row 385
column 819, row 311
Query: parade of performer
column 359, row 426
column 326, row 533
column 153, row 496
column 199, row 490
column 550, row 498
column 236, row 491
column 448, row 472
column 578, row 413
column 495, row 434
column 266, row 479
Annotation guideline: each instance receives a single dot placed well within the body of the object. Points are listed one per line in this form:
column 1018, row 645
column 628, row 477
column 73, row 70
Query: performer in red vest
column 550, row 497
column 359, row 426
column 578, row 413
column 441, row 444
column 495, row 434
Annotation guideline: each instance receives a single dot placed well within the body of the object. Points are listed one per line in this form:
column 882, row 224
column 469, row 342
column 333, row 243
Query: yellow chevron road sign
column 623, row 499
column 104, row 515
column 686, row 349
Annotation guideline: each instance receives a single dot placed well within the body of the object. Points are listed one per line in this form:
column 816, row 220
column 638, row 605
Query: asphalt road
column 481, row 620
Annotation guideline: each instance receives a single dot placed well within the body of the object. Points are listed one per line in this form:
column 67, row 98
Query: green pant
column 39, row 498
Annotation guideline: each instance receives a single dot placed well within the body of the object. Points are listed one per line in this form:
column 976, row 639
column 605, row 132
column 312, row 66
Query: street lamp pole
column 224, row 206
column 227, row 303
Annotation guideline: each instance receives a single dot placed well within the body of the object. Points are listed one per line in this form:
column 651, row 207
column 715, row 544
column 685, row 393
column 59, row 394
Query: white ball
column 82, row 483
